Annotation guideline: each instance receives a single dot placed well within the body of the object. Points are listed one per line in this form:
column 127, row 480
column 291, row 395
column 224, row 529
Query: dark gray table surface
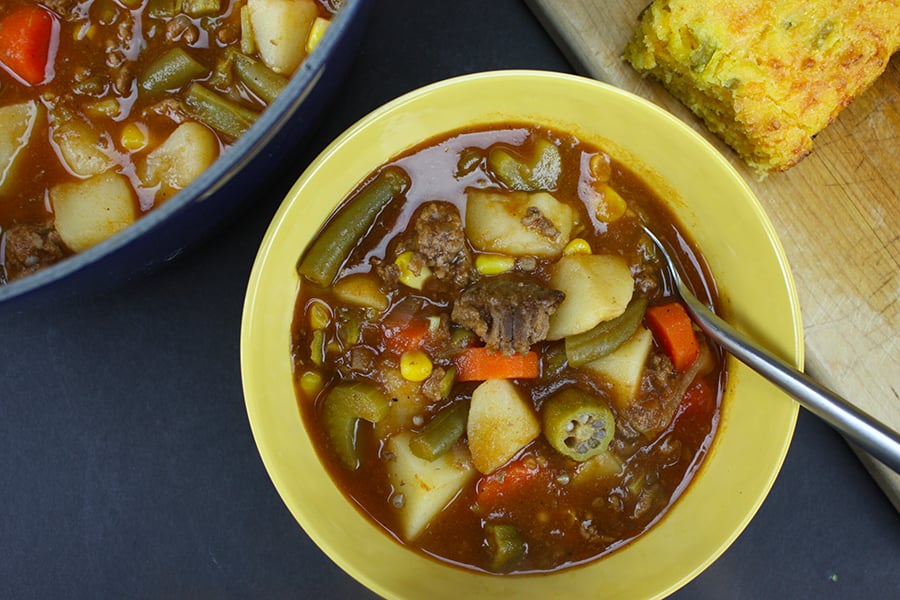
column 127, row 464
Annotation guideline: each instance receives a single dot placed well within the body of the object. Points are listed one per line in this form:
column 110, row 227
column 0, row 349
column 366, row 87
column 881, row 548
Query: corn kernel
column 494, row 264
column 415, row 365
column 611, row 206
column 316, row 32
column 319, row 315
column 134, row 137
column 407, row 276
column 577, row 246
column 311, row 384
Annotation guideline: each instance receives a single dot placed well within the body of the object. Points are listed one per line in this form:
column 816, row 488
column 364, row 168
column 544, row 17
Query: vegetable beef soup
column 109, row 107
column 489, row 358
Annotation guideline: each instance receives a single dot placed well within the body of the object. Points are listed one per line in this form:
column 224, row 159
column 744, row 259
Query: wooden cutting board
column 836, row 213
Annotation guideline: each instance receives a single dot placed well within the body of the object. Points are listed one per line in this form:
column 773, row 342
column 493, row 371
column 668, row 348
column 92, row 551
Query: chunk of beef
column 535, row 220
column 438, row 241
column 441, row 240
column 28, row 248
column 508, row 314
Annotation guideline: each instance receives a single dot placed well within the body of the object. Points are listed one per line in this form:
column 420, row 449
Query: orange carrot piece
column 479, row 364
column 27, row 43
column 673, row 330
column 506, row 481
column 400, row 336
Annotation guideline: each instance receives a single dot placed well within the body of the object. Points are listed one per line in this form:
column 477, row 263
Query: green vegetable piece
column 220, row 113
column 506, row 546
column 540, row 171
column 172, row 70
column 343, row 407
column 577, row 424
column 334, row 243
column 163, row 9
column 606, row 336
column 441, row 432
column 262, row 81
column 201, row 8
column 468, row 161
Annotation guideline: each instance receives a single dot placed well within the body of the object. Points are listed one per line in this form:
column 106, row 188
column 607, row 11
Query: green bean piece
column 447, row 381
column 441, row 432
column 506, row 546
column 334, row 243
column 172, row 70
column 468, row 161
column 577, row 424
column 262, row 81
column 163, row 9
column 248, row 42
column 349, row 327
column 343, row 407
column 606, row 336
column 540, row 171
column 220, row 113
column 201, row 8
column 317, row 348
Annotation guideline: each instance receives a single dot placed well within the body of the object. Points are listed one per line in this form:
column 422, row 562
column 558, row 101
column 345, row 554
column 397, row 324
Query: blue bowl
column 196, row 211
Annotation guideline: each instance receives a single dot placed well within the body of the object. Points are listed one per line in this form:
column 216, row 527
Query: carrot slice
column 28, row 39
column 673, row 330
column 402, row 335
column 506, row 481
column 480, row 364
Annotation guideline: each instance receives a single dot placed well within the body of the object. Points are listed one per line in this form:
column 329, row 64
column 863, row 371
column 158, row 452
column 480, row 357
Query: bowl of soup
column 134, row 128
column 466, row 370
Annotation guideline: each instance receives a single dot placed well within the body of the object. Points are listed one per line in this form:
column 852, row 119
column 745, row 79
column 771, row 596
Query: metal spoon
column 871, row 435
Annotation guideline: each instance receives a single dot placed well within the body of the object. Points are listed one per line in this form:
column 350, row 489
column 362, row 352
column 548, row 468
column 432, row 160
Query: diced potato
column 501, row 422
column 15, row 134
column 423, row 488
column 605, row 464
column 624, row 366
column 81, row 148
column 407, row 401
column 280, row 30
column 598, row 287
column 499, row 222
column 89, row 211
column 175, row 163
column 361, row 289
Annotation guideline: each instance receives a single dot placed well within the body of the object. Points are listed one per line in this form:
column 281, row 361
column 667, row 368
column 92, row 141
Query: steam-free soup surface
column 110, row 107
column 489, row 360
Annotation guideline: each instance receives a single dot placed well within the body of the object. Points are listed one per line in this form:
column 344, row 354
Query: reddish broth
column 97, row 56
column 560, row 518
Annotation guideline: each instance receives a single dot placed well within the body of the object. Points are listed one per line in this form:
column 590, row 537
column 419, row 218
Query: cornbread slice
column 766, row 75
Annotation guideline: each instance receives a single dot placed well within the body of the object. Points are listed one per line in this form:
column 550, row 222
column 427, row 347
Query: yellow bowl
column 714, row 205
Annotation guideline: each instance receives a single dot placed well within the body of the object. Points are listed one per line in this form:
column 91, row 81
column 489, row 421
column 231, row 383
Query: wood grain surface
column 836, row 213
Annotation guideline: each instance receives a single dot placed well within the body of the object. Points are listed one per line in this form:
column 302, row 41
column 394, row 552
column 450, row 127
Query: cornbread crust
column 766, row 75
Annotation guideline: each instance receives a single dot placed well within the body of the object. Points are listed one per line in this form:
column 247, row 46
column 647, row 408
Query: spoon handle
column 868, row 433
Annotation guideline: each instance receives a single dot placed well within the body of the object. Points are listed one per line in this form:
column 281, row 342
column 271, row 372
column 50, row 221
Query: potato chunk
column 89, row 211
column 186, row 153
column 598, row 287
column 423, row 488
column 15, row 134
column 81, row 148
column 280, row 29
column 624, row 366
column 518, row 223
column 501, row 422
